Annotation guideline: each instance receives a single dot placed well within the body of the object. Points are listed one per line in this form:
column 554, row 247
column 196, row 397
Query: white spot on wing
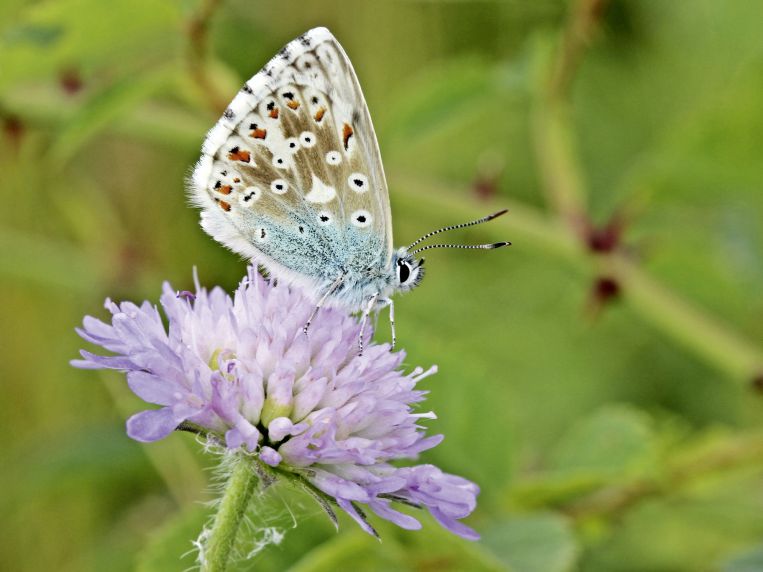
column 358, row 182
column 321, row 192
column 361, row 218
column 307, row 139
column 279, row 186
column 249, row 195
column 333, row 157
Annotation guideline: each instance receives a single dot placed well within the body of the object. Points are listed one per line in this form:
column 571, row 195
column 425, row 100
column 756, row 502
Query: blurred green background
column 601, row 380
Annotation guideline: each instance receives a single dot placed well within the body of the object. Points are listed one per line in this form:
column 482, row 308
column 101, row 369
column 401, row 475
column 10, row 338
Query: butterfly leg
column 391, row 304
column 364, row 319
column 334, row 285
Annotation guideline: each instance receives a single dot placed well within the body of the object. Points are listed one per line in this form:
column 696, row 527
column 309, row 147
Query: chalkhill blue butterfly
column 291, row 178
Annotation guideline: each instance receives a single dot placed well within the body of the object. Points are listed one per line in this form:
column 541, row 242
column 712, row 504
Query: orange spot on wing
column 225, row 206
column 274, row 113
column 236, row 180
column 225, row 189
column 240, row 155
column 292, row 104
column 261, row 133
column 319, row 114
column 346, row 134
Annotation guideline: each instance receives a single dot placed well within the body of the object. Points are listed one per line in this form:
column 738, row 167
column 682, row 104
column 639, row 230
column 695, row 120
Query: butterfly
column 291, row 178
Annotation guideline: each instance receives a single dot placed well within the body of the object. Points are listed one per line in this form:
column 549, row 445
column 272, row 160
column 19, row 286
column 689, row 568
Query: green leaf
column 533, row 543
column 615, row 440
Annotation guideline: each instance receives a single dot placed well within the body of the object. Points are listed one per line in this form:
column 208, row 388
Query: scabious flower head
column 242, row 371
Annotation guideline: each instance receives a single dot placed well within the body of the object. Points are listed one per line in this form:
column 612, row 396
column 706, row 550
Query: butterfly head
column 409, row 271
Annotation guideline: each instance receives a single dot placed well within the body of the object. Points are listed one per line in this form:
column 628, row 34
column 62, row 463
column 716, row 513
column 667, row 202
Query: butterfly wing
column 291, row 176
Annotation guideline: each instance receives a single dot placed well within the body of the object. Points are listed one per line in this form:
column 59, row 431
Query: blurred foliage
column 597, row 380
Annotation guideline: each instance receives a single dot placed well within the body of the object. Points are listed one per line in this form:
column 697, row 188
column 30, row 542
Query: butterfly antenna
column 478, row 246
column 457, row 226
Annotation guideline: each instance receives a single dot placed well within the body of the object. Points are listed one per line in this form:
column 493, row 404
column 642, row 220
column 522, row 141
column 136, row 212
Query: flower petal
column 358, row 517
column 270, row 456
column 152, row 389
column 405, row 521
column 453, row 525
column 152, row 425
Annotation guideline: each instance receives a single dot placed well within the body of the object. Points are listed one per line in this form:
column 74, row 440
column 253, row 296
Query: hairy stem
column 230, row 513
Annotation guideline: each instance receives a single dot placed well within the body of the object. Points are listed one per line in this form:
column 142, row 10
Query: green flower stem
column 238, row 492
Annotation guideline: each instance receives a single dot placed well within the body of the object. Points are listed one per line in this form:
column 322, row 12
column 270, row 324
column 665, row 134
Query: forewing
column 293, row 165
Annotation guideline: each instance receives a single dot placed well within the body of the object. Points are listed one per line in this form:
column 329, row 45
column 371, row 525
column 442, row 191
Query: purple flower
column 242, row 371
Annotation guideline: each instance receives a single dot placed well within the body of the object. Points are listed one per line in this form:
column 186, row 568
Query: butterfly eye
column 279, row 186
column 403, row 272
column 307, row 139
column 358, row 182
